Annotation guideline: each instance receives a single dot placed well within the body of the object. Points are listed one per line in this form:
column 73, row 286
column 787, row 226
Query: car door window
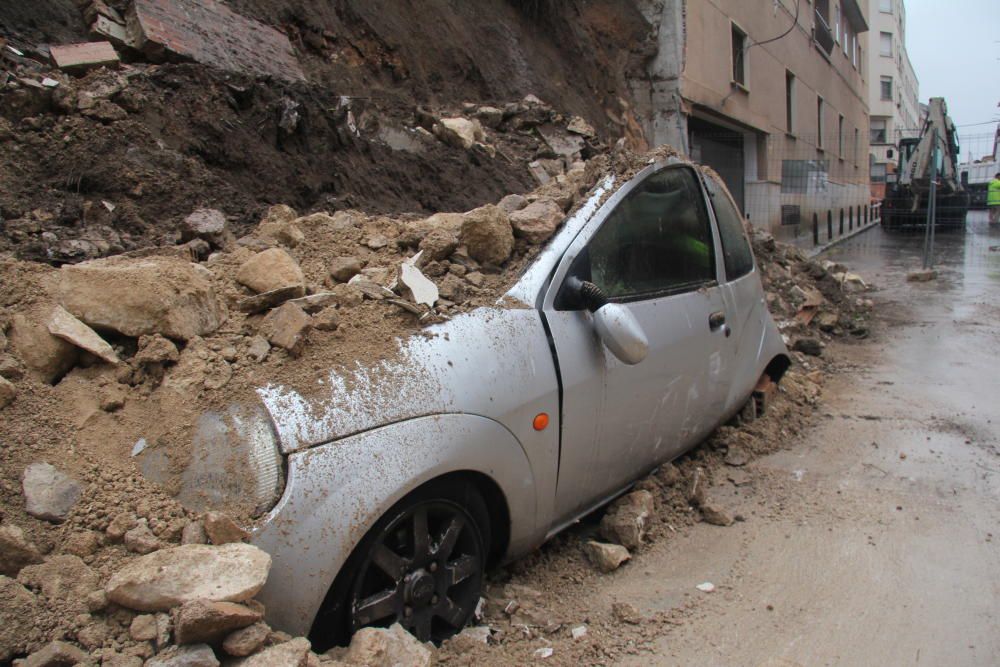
column 736, row 252
column 657, row 241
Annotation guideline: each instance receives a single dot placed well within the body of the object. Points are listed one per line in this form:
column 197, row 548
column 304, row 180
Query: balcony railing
column 824, row 36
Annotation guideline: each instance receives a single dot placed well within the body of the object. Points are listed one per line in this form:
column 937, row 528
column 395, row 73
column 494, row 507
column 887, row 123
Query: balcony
column 822, row 33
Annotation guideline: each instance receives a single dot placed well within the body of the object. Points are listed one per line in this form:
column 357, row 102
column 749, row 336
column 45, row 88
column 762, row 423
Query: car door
column 742, row 291
column 654, row 253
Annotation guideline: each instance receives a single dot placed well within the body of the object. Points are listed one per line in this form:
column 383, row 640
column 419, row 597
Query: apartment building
column 893, row 90
column 773, row 94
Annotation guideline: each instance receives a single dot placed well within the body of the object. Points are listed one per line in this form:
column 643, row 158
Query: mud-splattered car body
column 463, row 401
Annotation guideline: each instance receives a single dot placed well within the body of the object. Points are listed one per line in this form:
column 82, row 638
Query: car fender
column 335, row 492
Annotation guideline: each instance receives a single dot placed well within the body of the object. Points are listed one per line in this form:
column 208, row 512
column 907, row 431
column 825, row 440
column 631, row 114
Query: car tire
column 431, row 586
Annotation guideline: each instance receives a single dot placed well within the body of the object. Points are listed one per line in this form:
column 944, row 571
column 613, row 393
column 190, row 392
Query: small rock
column 326, row 320
column 706, row 587
column 247, row 640
column 438, row 244
column 537, row 221
column 207, row 224
column 606, row 557
column 258, row 303
column 194, row 533
column 512, row 203
column 737, row 456
column 626, row 521
column 293, row 653
column 56, row 654
column 715, row 515
column 170, row 577
column 626, row 613
column 579, row 632
column 696, row 492
column 487, row 234
column 113, row 398
column 459, row 132
column 376, row 241
column 18, row 617
column 287, row 327
column 141, row 539
column 10, row 368
column 8, row 392
column 143, row 628
column 316, row 302
column 475, row 278
column 155, row 349
column 48, row 493
column 270, row 270
column 63, row 325
column 92, row 636
column 387, row 646
column 200, row 621
column 119, row 525
column 344, row 268
column 280, row 230
column 48, row 357
column 83, row 543
column 923, row 276
column 544, row 652
column 221, row 529
column 96, row 601
column 16, row 550
column 489, row 116
column 579, row 126
column 738, row 477
column 810, row 346
column 669, row 475
column 193, row 655
column 258, row 348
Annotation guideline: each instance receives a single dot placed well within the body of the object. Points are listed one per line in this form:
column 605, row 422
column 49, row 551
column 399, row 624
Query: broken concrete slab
column 63, row 325
column 258, row 303
column 210, row 33
column 76, row 58
column 422, row 289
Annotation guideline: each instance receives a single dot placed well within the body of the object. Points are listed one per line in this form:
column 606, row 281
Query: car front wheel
column 421, row 565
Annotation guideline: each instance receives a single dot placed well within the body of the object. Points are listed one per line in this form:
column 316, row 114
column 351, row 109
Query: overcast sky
column 954, row 46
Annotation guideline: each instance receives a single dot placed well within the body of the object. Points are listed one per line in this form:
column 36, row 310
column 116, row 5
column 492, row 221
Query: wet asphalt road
column 875, row 538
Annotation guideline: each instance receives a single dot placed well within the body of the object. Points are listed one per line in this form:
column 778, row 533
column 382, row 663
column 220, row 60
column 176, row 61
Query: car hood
column 487, row 362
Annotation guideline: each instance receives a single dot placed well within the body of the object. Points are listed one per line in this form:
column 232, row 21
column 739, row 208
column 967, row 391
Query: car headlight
column 234, row 464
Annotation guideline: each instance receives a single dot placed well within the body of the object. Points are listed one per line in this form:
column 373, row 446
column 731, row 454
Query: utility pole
column 931, row 206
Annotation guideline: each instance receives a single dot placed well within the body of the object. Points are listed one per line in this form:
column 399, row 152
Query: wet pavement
column 875, row 537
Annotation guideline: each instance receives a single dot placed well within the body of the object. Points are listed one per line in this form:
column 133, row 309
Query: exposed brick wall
column 209, row 32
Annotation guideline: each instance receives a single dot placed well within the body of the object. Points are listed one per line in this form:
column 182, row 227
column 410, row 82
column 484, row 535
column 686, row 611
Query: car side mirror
column 615, row 324
column 621, row 333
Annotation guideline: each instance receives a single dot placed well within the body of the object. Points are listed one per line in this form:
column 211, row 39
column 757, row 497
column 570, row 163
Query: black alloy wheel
column 422, row 565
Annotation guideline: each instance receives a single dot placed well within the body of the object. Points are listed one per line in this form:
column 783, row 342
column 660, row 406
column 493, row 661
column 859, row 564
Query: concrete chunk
column 83, row 57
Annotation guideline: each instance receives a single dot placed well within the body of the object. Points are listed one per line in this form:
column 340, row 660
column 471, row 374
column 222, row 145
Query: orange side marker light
column 541, row 421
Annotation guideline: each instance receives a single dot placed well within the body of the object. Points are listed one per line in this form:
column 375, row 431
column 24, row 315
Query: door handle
column 717, row 321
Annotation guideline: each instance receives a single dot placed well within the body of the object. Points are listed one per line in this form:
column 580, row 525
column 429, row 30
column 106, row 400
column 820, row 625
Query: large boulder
column 487, row 234
column 537, row 221
column 269, row 270
column 49, row 493
column 164, row 295
column 48, row 357
column 170, row 577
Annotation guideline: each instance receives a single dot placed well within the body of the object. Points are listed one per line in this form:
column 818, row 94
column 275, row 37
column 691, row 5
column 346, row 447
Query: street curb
column 823, row 248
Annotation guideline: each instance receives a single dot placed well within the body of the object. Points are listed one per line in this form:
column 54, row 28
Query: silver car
column 639, row 328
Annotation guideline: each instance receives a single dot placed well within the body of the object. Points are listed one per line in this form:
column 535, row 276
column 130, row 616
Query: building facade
column 893, row 90
column 773, row 94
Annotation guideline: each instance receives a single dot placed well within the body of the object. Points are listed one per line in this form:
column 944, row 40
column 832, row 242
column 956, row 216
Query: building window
column 879, row 131
column 836, row 22
column 819, row 122
column 886, row 88
column 840, row 136
column 885, row 44
column 739, row 56
column 789, row 102
column 878, row 173
column 857, row 145
column 885, row 6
